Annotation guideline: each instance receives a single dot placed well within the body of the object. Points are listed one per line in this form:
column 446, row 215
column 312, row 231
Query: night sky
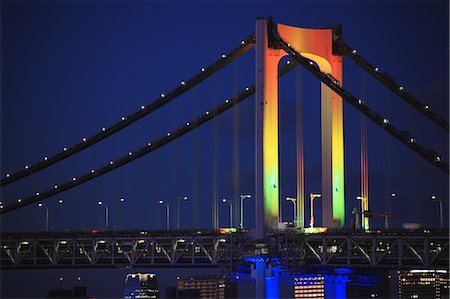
column 70, row 68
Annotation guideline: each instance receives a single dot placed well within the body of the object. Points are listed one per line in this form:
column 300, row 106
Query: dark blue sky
column 68, row 69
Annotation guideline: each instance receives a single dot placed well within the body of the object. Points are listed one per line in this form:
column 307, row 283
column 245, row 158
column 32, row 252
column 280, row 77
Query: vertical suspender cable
column 236, row 174
column 176, row 171
column 300, row 219
column 364, row 157
column 195, row 166
column 215, row 162
column 389, row 170
column 157, row 187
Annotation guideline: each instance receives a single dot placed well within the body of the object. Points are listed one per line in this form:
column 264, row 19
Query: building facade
column 209, row 286
column 141, row 285
column 419, row 284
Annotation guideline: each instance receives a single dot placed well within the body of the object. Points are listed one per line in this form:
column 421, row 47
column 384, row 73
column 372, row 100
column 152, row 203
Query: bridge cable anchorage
column 149, row 147
column 384, row 123
column 390, row 83
column 143, row 111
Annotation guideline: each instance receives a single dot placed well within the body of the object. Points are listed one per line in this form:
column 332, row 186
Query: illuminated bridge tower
column 317, row 45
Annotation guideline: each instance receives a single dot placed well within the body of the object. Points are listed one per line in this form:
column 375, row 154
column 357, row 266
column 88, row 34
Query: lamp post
column 242, row 209
column 60, row 202
column 311, row 197
column 364, row 209
column 294, row 202
column 100, row 203
column 167, row 214
column 182, row 198
column 388, row 212
column 119, row 216
column 231, row 210
column 41, row 205
column 441, row 216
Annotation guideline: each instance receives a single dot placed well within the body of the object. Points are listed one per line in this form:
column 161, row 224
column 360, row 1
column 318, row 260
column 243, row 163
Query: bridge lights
column 224, row 200
column 441, row 216
column 243, row 196
column 312, row 196
column 181, row 198
column 41, row 205
column 100, row 203
column 167, row 213
column 364, row 209
column 294, row 202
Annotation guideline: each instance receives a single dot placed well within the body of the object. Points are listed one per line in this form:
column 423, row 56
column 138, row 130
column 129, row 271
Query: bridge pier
column 267, row 280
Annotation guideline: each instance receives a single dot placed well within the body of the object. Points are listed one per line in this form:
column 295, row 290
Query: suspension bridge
column 270, row 246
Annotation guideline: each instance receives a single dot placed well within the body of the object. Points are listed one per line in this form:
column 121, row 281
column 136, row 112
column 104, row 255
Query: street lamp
column 441, row 216
column 243, row 196
column 182, row 198
column 294, row 201
column 311, row 197
column 231, row 210
column 58, row 212
column 119, row 214
column 100, row 203
column 364, row 209
column 388, row 212
column 41, row 205
column 167, row 214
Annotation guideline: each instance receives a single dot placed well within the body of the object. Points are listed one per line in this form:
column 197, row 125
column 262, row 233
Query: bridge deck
column 208, row 248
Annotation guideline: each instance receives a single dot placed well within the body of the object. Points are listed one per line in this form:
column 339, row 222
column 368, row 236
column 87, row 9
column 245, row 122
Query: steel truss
column 292, row 251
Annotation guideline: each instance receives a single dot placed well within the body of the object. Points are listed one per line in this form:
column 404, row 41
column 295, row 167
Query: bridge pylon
column 316, row 45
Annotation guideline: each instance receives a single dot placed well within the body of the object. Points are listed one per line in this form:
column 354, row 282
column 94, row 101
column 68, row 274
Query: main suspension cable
column 105, row 132
column 131, row 156
column 384, row 123
column 390, row 83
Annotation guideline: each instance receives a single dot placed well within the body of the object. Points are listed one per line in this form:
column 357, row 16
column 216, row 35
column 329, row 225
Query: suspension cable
column 163, row 99
column 131, row 156
column 384, row 123
column 390, row 83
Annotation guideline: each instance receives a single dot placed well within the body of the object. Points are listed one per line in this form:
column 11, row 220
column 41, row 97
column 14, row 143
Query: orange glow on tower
column 315, row 44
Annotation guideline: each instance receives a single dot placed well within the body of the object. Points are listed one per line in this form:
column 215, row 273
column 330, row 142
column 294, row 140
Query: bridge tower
column 317, row 45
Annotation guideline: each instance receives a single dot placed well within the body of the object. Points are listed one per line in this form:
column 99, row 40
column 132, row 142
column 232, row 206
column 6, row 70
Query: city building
column 309, row 286
column 209, row 286
column 141, row 285
column 423, row 284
